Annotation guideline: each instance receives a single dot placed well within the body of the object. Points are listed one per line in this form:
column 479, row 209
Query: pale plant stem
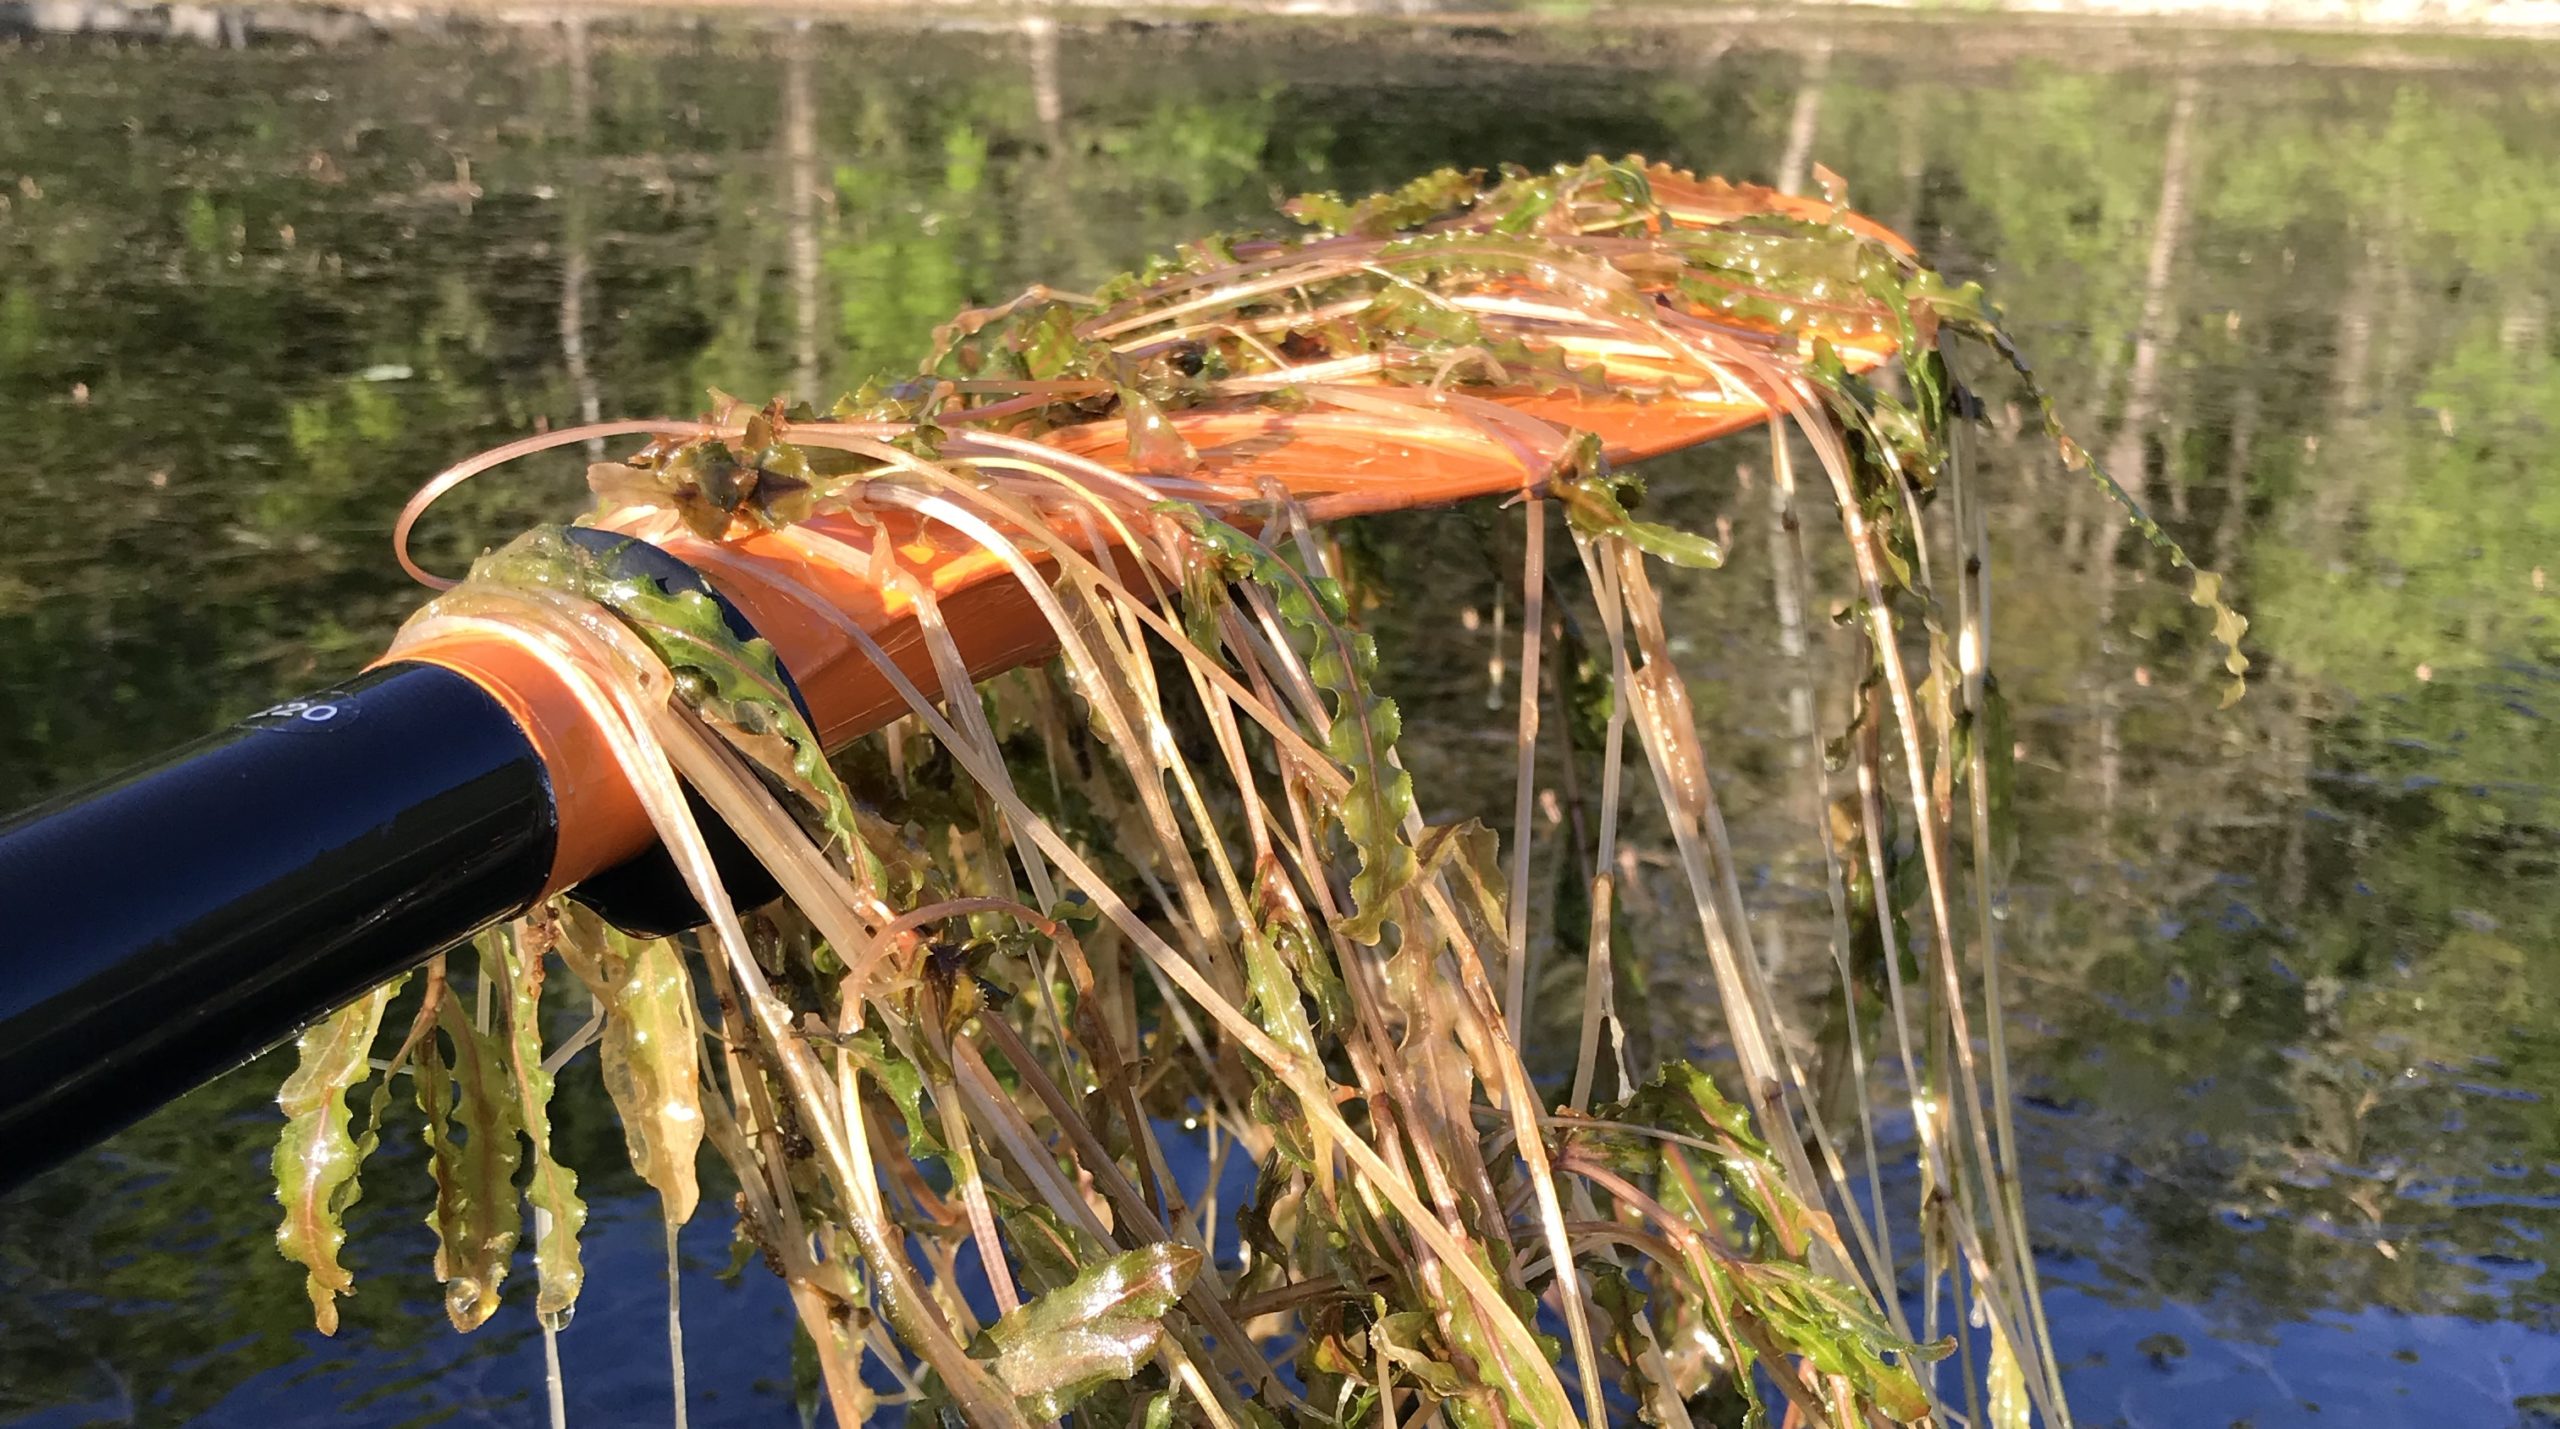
column 1537, row 1377
column 1604, row 849
column 1595, row 995
column 555, row 1397
column 1533, row 630
column 2001, row 1273
column 1789, row 564
column 1973, row 585
column 675, row 1329
column 772, row 1208
column 1019, row 1144
column 1670, row 740
column 956, row 1135
column 576, row 1042
column 1135, row 752
column 1208, row 1297
column 960, row 694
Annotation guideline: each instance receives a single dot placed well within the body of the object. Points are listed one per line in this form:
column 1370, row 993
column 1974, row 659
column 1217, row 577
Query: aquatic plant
column 1049, row 936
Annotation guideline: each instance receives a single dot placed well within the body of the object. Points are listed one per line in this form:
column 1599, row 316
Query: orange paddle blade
column 1604, row 332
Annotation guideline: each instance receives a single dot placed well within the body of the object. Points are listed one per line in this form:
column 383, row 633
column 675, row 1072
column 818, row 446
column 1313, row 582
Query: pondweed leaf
column 1595, row 502
column 316, row 1161
column 2005, row 1386
column 649, row 1051
column 553, row 1188
column 1416, row 203
column 1361, row 736
column 1095, row 1330
column 472, row 1149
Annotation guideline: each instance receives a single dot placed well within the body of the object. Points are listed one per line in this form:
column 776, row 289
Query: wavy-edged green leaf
column 476, row 1218
column 650, row 1053
column 1365, row 725
column 1286, row 927
column 1405, row 1335
column 1630, row 1339
column 316, row 1160
column 736, row 684
column 1964, row 309
column 1156, row 446
column 552, row 1187
column 1531, row 1399
column 1095, row 1330
column 2005, row 1387
column 1415, row 203
column 1595, row 502
column 1837, row 1330
column 904, row 1083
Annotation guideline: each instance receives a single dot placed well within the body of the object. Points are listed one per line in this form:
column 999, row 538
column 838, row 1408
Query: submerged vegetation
column 1054, row 939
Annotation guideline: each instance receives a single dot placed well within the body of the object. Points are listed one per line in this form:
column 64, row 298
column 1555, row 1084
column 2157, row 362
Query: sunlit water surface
column 2285, row 973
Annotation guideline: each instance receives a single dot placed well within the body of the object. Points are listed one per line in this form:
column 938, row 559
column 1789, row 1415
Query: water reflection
column 2283, row 972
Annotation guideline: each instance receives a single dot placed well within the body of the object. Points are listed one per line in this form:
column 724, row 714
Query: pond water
column 2288, row 973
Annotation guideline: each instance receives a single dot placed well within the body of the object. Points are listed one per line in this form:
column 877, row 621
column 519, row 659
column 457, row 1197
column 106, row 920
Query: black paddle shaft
column 176, row 921
column 179, row 919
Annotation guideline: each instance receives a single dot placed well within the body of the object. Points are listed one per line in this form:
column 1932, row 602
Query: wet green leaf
column 735, row 683
column 316, row 1161
column 1682, row 1097
column 553, row 1187
column 1405, row 1335
column 1361, row 736
column 1156, row 446
column 1838, row 1331
column 1594, row 501
column 904, row 1083
column 2005, row 1385
column 1411, row 317
column 1623, row 1306
column 649, row 1052
column 1414, row 204
column 476, row 1217
column 1096, row 1330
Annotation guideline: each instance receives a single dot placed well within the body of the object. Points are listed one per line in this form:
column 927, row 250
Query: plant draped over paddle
column 1053, row 944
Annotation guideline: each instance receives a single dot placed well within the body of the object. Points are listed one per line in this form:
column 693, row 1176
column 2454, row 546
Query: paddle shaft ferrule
column 173, row 923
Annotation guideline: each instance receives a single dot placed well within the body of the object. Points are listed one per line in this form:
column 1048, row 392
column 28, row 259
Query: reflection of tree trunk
column 1797, row 161
column 2353, row 357
column 1042, row 33
column 2173, row 475
column 1786, row 578
column 2235, row 476
column 800, row 144
column 1051, row 187
column 2521, row 330
column 577, row 219
column 1786, row 564
column 2128, row 454
column 582, row 79
column 2317, row 528
column 1910, row 117
column 1787, row 584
